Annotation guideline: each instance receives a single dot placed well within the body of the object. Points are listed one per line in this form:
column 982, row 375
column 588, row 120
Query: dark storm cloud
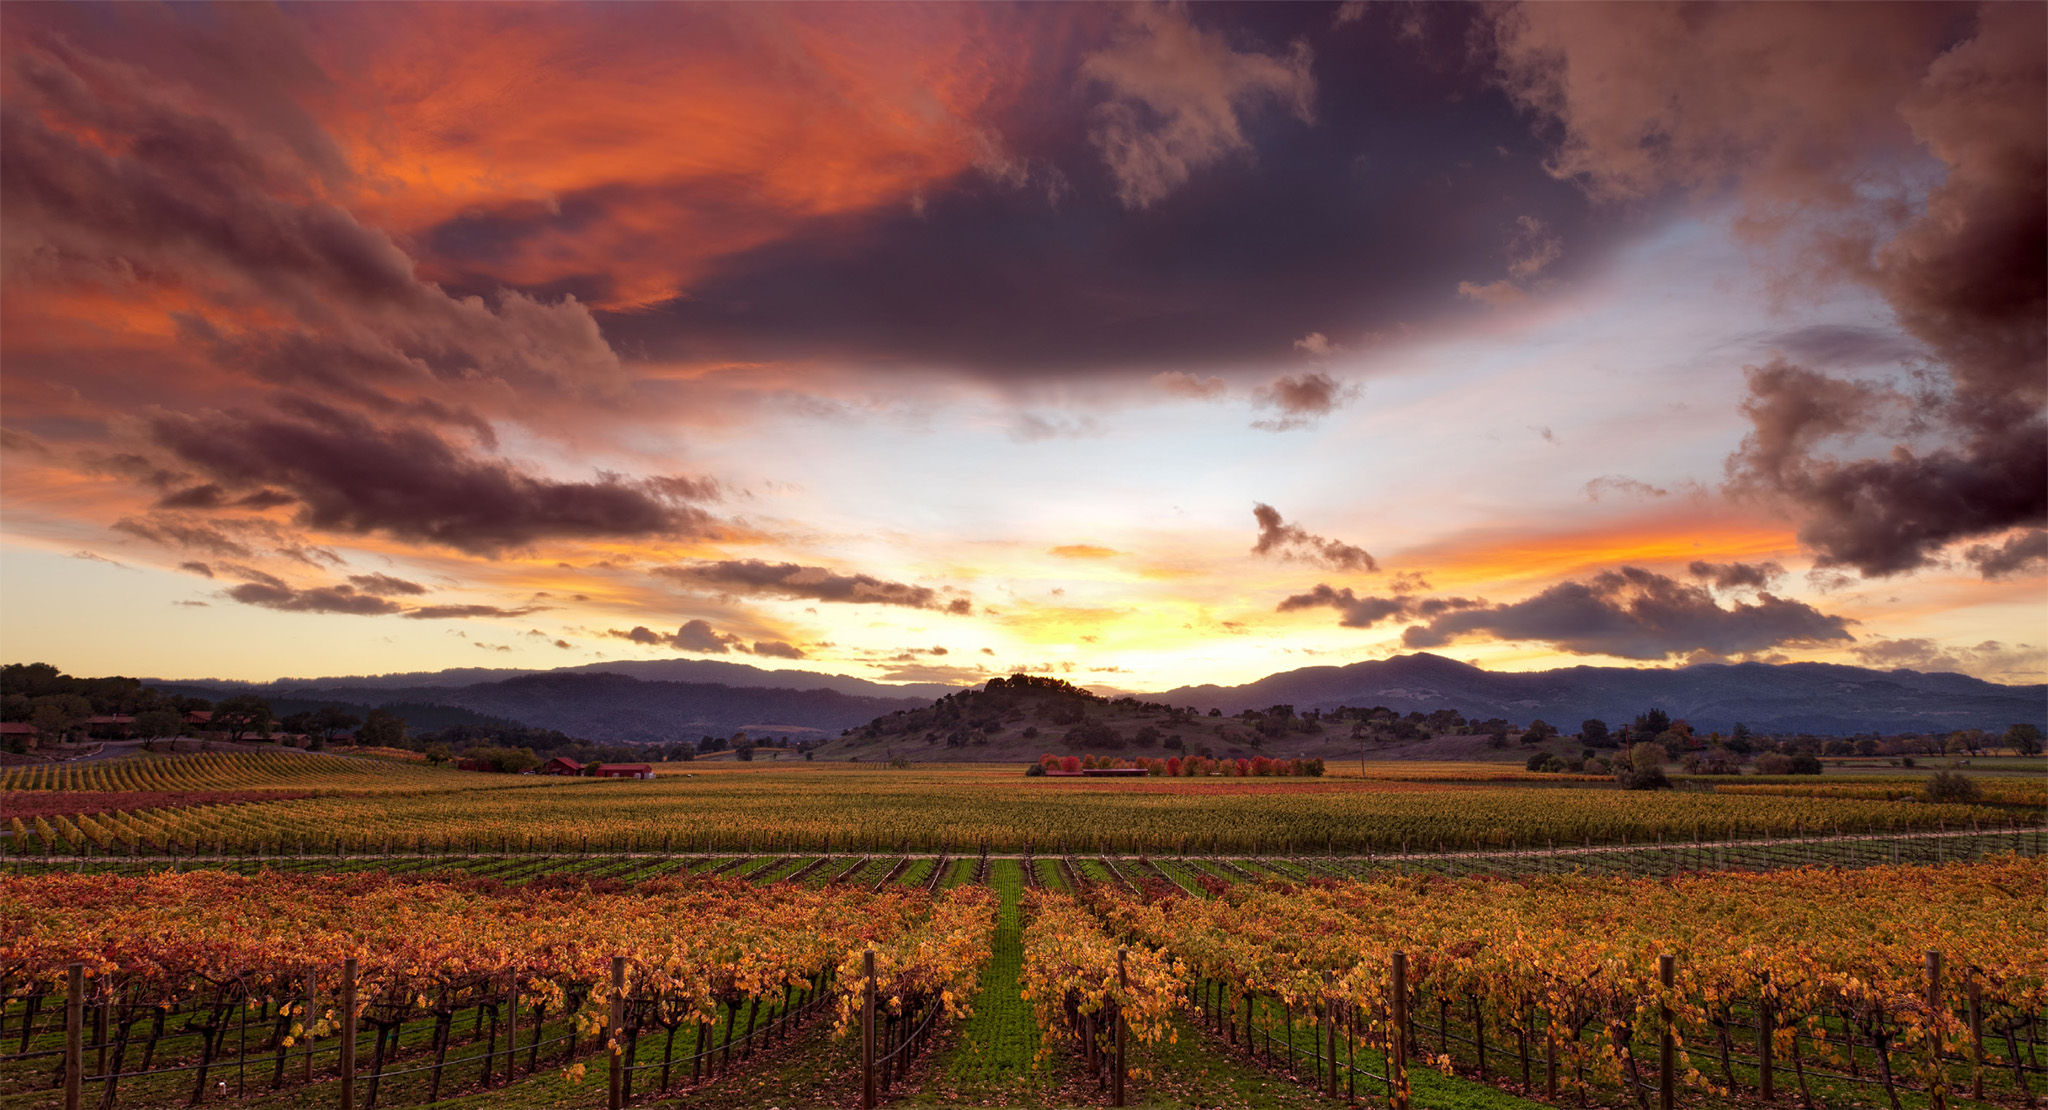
column 698, row 636
column 754, row 577
column 383, row 585
column 208, row 496
column 354, row 369
column 170, row 191
column 251, row 574
column 1300, row 400
column 1633, row 613
column 1414, row 176
column 1291, row 541
column 367, row 595
column 114, row 179
column 320, row 599
column 465, row 612
column 200, row 569
column 264, row 499
column 172, row 532
column 1364, row 612
column 2025, row 551
column 1885, row 515
column 1832, row 98
column 1734, row 576
column 1177, row 96
column 353, row 476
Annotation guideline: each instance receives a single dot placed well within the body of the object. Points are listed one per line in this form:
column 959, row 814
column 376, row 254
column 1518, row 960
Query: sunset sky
column 1140, row 345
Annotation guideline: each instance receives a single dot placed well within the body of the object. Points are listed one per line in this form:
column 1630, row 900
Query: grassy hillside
column 1020, row 718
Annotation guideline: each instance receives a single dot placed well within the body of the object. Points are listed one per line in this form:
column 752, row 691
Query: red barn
column 561, row 766
column 624, row 771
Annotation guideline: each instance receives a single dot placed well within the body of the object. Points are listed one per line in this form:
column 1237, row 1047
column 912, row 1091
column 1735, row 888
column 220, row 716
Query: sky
column 1140, row 345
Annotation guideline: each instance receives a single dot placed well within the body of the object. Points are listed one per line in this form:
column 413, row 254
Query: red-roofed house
column 624, row 771
column 20, row 732
column 561, row 766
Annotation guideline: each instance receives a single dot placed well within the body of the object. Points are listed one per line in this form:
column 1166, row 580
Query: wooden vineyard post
column 1667, row 1048
column 306, row 1020
column 616, row 1095
column 511, row 1024
column 1976, row 1041
column 867, row 1031
column 348, row 1034
column 1330, row 1027
column 1122, row 1027
column 1550, row 1059
column 1397, row 1038
column 1937, row 1013
column 74, row 1038
column 1766, row 1036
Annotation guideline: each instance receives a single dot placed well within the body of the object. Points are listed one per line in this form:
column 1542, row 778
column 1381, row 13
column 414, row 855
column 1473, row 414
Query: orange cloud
column 641, row 143
column 1084, row 551
column 1504, row 556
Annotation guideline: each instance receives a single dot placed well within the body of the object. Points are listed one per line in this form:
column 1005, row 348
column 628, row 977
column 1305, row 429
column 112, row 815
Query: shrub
column 1771, row 763
column 1036, row 770
column 1713, row 761
column 1805, row 763
column 1950, row 786
column 1652, row 779
column 1538, row 759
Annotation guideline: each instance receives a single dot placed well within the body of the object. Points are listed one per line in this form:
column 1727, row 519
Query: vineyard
column 1827, row 975
column 1816, row 978
column 180, row 967
column 244, row 770
column 295, row 931
column 328, row 805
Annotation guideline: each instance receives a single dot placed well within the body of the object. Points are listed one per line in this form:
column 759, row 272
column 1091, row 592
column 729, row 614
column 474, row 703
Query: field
column 212, row 899
column 361, row 806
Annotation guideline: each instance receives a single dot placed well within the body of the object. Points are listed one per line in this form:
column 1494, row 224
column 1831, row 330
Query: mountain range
column 669, row 700
column 1823, row 698
column 600, row 705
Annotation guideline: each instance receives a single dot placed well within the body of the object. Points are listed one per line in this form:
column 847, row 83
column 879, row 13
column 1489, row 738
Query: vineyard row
column 1812, row 973
column 1185, row 872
